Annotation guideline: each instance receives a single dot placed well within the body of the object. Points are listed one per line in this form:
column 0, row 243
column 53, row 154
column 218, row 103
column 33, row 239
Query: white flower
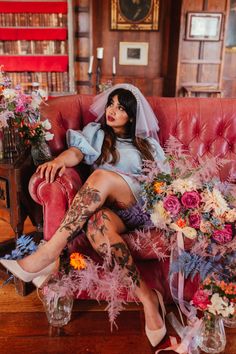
column 46, row 124
column 160, row 217
column 3, row 119
column 214, row 201
column 48, row 136
column 9, row 93
column 230, row 215
column 184, row 185
column 220, row 307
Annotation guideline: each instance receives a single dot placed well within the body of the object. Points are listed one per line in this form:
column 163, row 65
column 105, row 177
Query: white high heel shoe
column 38, row 278
column 156, row 336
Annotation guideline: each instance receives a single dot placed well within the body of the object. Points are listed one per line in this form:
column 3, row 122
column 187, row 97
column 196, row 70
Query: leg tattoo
column 123, row 257
column 96, row 225
column 85, row 203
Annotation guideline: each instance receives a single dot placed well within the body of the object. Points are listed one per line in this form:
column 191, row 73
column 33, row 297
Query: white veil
column 146, row 121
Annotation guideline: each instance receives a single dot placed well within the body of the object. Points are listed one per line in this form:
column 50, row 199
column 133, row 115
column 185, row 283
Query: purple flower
column 191, row 200
column 224, row 235
column 194, row 220
column 172, row 204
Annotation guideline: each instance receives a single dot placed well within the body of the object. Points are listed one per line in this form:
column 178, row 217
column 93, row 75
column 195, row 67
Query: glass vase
column 230, row 321
column 211, row 337
column 57, row 301
column 40, row 152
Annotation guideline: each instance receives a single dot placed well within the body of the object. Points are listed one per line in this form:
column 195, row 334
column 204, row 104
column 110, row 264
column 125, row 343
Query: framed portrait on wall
column 135, row 15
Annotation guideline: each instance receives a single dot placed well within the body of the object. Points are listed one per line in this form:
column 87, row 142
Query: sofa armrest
column 55, row 197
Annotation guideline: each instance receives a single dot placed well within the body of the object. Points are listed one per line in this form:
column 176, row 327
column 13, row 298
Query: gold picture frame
column 129, row 15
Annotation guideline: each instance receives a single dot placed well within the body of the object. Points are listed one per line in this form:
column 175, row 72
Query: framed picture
column 203, row 26
column 133, row 53
column 135, row 15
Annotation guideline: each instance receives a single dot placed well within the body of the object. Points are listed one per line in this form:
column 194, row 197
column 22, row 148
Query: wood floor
column 24, row 327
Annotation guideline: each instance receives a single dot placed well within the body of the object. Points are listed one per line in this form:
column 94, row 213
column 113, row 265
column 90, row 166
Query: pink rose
column 223, row 236
column 191, row 200
column 172, row 204
column 201, row 299
column 194, row 220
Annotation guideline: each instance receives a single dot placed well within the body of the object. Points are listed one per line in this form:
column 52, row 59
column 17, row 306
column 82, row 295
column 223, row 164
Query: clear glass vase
column 40, row 152
column 230, row 321
column 211, row 337
column 57, row 301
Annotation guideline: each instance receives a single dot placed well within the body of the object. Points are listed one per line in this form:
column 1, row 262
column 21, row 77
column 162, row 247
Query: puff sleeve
column 89, row 141
column 159, row 155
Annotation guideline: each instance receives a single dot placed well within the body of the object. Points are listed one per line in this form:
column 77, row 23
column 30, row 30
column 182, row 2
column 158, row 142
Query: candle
column 90, row 69
column 99, row 53
column 113, row 65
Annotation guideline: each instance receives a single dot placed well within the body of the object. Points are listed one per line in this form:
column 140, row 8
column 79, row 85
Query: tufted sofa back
column 205, row 126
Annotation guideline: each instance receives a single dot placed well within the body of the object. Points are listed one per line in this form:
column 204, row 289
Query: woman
column 115, row 147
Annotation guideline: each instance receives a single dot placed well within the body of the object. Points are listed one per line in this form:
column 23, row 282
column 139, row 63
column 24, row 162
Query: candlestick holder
column 98, row 75
column 113, row 78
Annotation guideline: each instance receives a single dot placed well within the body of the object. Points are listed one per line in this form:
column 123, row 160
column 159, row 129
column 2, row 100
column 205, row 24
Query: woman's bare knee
column 113, row 186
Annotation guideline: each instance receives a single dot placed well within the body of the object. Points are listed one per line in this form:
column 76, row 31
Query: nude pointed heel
column 37, row 278
column 156, row 336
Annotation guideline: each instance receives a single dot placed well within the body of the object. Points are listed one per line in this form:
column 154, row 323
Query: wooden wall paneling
column 110, row 39
column 173, row 49
column 202, row 60
column 229, row 74
column 229, row 69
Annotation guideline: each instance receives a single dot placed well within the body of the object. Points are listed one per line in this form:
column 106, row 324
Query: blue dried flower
column 25, row 245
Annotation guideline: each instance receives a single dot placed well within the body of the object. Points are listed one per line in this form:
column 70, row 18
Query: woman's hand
column 51, row 169
column 68, row 158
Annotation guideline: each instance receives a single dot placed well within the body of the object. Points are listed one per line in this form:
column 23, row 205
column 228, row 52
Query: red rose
column 201, row 299
column 223, row 236
column 172, row 204
column 194, row 220
column 191, row 200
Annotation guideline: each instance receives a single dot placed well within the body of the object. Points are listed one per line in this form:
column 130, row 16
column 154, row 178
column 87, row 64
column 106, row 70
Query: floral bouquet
column 21, row 112
column 192, row 200
column 197, row 214
column 216, row 297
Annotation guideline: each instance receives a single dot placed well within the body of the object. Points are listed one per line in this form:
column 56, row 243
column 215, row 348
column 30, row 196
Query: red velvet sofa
column 204, row 126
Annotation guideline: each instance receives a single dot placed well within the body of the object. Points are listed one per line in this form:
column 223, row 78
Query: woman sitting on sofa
column 125, row 134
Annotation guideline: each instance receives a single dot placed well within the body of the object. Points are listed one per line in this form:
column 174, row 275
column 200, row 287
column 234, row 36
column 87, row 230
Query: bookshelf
column 36, row 43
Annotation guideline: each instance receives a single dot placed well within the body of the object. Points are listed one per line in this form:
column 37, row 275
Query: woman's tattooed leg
column 109, row 244
column 86, row 201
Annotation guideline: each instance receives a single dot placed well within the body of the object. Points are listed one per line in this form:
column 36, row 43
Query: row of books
column 54, row 81
column 33, row 20
column 22, row 47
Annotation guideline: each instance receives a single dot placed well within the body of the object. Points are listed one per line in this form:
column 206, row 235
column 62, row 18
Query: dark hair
column 127, row 99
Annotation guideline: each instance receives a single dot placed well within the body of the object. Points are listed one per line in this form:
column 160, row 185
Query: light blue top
column 89, row 141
